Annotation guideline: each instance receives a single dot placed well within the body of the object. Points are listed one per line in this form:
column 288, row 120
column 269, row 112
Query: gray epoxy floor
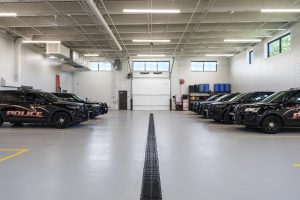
column 104, row 158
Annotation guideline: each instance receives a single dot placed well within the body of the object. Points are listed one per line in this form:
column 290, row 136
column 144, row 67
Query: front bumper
column 248, row 119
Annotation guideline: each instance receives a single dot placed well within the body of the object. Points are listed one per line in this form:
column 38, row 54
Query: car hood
column 68, row 103
column 226, row 103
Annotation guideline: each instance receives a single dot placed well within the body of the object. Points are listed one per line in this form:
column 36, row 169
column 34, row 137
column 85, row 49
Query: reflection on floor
column 103, row 159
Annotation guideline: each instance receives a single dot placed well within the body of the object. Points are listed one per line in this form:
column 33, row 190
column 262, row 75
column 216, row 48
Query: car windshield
column 78, row 98
column 239, row 97
column 50, row 97
column 211, row 98
column 226, row 97
column 279, row 97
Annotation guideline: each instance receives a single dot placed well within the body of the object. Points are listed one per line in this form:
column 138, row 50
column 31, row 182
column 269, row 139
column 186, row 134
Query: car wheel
column 61, row 120
column 1, row 120
column 271, row 124
column 226, row 118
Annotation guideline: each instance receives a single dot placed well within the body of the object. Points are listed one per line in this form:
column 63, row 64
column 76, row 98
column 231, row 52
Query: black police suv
column 279, row 110
column 224, row 111
column 203, row 109
column 32, row 106
column 95, row 108
column 210, row 99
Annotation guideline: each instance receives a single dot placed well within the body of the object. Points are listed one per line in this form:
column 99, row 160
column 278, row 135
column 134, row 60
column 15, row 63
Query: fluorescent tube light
column 280, row 10
column 242, row 40
column 52, row 57
column 37, row 41
column 151, row 55
column 161, row 11
column 8, row 14
column 154, row 41
column 219, row 55
column 91, row 55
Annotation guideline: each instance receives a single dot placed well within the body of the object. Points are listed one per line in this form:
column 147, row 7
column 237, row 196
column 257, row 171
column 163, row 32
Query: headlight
column 254, row 110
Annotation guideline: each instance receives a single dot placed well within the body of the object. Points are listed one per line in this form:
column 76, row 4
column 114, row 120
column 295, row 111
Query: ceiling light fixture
column 52, row 57
column 219, row 55
column 242, row 40
column 280, row 10
column 40, row 41
column 8, row 14
column 151, row 55
column 91, row 55
column 161, row 11
column 154, row 41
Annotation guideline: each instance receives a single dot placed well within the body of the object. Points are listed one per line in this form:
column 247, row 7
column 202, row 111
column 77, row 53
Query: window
column 203, row 66
column 151, row 66
column 10, row 96
column 251, row 56
column 280, row 45
column 100, row 66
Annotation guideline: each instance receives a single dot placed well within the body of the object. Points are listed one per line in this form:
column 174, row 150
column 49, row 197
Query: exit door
column 122, row 100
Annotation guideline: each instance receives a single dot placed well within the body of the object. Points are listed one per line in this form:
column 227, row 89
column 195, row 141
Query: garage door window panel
column 163, row 66
column 100, row 66
column 139, row 66
column 151, row 66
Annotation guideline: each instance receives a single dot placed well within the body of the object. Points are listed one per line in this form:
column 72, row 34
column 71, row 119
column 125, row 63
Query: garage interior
column 150, row 62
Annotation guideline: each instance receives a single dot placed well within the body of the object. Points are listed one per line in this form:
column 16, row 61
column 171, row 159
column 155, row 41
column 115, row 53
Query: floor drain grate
column 151, row 188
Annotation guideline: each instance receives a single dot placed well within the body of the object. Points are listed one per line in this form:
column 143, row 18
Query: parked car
column 95, row 108
column 224, row 111
column 279, row 110
column 32, row 106
column 203, row 109
column 210, row 99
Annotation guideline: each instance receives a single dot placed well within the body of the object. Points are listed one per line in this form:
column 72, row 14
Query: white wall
column 103, row 86
column 41, row 73
column 182, row 70
column 6, row 57
column 36, row 71
column 275, row 73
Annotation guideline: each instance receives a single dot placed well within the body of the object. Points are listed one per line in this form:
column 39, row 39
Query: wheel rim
column 272, row 125
column 61, row 120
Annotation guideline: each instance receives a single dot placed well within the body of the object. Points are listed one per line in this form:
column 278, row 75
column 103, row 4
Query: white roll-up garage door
column 151, row 93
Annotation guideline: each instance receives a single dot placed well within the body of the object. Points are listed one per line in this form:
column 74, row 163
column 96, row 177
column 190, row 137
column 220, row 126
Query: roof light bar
column 8, row 14
column 151, row 55
column 280, row 10
column 161, row 11
column 242, row 40
column 39, row 41
column 219, row 55
column 154, row 41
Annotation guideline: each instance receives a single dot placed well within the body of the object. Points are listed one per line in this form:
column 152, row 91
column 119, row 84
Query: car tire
column 226, row 119
column 61, row 120
column 1, row 120
column 271, row 125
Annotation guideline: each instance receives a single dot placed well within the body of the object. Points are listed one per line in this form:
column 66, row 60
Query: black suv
column 224, row 111
column 32, row 106
column 197, row 105
column 203, row 109
column 281, row 109
column 95, row 108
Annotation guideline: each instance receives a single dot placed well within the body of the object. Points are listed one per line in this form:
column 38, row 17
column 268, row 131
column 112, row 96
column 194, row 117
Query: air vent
column 58, row 50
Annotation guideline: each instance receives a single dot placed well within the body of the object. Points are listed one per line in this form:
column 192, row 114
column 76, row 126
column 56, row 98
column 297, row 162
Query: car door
column 36, row 106
column 292, row 111
column 10, row 103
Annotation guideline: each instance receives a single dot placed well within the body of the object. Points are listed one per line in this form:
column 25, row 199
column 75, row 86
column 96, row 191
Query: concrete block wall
column 274, row 73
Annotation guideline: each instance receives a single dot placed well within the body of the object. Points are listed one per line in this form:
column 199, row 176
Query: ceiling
column 200, row 28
